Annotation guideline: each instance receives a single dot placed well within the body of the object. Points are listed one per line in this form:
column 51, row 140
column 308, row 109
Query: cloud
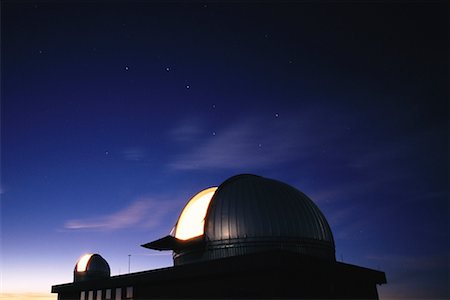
column 250, row 143
column 412, row 262
column 146, row 212
column 187, row 131
column 345, row 192
column 134, row 154
column 406, row 273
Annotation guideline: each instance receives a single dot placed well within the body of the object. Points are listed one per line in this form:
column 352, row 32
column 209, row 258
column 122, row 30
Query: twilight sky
column 114, row 114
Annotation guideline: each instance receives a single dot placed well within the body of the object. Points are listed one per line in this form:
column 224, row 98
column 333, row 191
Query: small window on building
column 129, row 292
column 83, row 295
column 91, row 295
column 108, row 294
column 99, row 295
column 118, row 294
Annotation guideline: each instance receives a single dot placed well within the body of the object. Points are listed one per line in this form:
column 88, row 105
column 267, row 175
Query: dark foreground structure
column 251, row 237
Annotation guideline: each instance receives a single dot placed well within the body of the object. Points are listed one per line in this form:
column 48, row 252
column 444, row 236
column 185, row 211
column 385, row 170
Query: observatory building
column 250, row 237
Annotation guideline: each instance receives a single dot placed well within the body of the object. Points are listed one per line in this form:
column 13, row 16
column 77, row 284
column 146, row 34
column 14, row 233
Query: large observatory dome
column 248, row 214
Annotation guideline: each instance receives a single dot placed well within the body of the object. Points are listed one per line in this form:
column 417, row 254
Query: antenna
column 129, row 262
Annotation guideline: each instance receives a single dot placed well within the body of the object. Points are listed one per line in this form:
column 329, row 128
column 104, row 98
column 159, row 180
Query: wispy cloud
column 412, row 262
column 346, row 191
column 405, row 274
column 145, row 212
column 244, row 144
column 187, row 131
column 133, row 154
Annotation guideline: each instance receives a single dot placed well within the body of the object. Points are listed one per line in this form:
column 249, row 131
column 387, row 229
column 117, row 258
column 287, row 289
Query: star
column 106, row 152
column 188, row 86
column 213, row 133
column 276, row 115
column 167, row 69
column 127, row 68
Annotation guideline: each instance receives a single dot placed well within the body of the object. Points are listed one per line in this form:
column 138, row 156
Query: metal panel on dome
column 252, row 206
column 249, row 214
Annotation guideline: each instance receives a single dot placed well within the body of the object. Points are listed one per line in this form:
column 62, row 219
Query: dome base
column 238, row 247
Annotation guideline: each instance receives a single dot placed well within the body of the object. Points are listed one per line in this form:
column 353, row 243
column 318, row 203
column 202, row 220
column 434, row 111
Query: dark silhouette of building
column 251, row 237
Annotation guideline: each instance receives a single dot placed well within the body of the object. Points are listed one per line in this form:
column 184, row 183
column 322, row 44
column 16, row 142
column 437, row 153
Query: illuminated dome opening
column 83, row 262
column 191, row 222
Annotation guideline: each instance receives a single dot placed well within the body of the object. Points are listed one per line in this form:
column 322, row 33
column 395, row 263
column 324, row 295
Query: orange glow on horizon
column 82, row 262
column 28, row 296
column 191, row 222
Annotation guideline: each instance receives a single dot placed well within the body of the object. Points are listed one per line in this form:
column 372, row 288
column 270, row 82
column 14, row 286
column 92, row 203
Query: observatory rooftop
column 250, row 237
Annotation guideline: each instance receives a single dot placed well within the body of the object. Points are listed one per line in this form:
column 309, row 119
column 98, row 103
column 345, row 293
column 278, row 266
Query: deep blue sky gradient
column 114, row 114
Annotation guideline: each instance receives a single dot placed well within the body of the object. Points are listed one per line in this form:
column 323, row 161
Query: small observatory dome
column 248, row 214
column 91, row 266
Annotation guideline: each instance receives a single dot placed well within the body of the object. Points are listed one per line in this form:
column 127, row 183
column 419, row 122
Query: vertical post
column 129, row 262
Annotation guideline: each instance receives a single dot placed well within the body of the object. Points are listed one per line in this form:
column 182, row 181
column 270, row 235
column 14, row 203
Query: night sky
column 114, row 114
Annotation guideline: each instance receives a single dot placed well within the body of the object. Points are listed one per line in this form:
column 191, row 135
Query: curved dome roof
column 249, row 206
column 91, row 266
column 248, row 214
